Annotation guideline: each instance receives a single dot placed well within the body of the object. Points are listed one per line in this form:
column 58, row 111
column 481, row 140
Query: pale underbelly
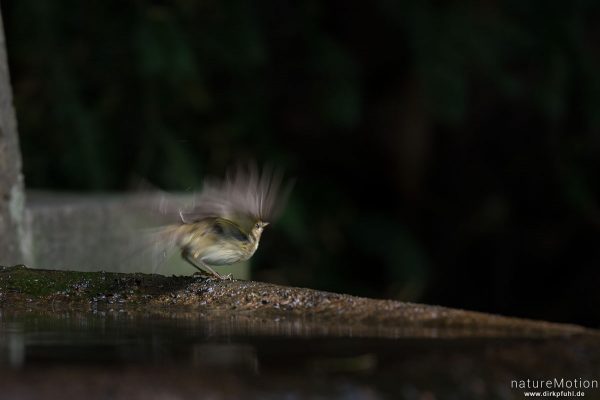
column 224, row 255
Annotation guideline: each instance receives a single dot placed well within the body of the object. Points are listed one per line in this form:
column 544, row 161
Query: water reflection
column 12, row 345
column 239, row 356
column 226, row 356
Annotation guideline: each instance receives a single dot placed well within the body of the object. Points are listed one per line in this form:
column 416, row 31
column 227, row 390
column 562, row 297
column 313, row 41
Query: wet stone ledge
column 143, row 336
column 320, row 313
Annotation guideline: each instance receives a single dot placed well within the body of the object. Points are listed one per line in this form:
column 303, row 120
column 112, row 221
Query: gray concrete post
column 13, row 243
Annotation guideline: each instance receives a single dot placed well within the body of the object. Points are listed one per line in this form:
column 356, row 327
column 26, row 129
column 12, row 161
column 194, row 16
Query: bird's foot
column 208, row 276
column 201, row 275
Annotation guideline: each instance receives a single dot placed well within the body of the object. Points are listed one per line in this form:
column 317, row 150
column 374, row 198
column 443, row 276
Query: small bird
column 226, row 223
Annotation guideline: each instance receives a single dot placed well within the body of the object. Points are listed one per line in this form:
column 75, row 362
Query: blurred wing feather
column 244, row 197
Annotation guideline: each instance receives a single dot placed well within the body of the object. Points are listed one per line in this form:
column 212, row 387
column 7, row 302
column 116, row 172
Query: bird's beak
column 265, row 224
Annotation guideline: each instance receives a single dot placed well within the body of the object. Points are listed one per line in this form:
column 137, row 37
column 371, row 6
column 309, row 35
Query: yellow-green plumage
column 226, row 224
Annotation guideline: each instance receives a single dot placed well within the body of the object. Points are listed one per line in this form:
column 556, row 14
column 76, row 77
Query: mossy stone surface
column 26, row 288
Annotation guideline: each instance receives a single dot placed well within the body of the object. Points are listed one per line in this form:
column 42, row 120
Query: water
column 172, row 355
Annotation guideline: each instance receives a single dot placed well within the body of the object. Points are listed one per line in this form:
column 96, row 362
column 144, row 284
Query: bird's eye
column 258, row 225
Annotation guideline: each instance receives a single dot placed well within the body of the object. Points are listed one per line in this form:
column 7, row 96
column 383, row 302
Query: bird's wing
column 228, row 229
column 244, row 197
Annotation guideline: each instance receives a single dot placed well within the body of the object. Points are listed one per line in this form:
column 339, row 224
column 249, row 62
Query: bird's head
column 258, row 228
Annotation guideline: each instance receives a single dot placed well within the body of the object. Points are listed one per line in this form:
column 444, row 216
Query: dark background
column 445, row 152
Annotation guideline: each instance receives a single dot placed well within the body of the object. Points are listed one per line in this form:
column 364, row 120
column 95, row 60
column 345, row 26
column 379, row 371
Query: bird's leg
column 215, row 273
column 202, row 267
